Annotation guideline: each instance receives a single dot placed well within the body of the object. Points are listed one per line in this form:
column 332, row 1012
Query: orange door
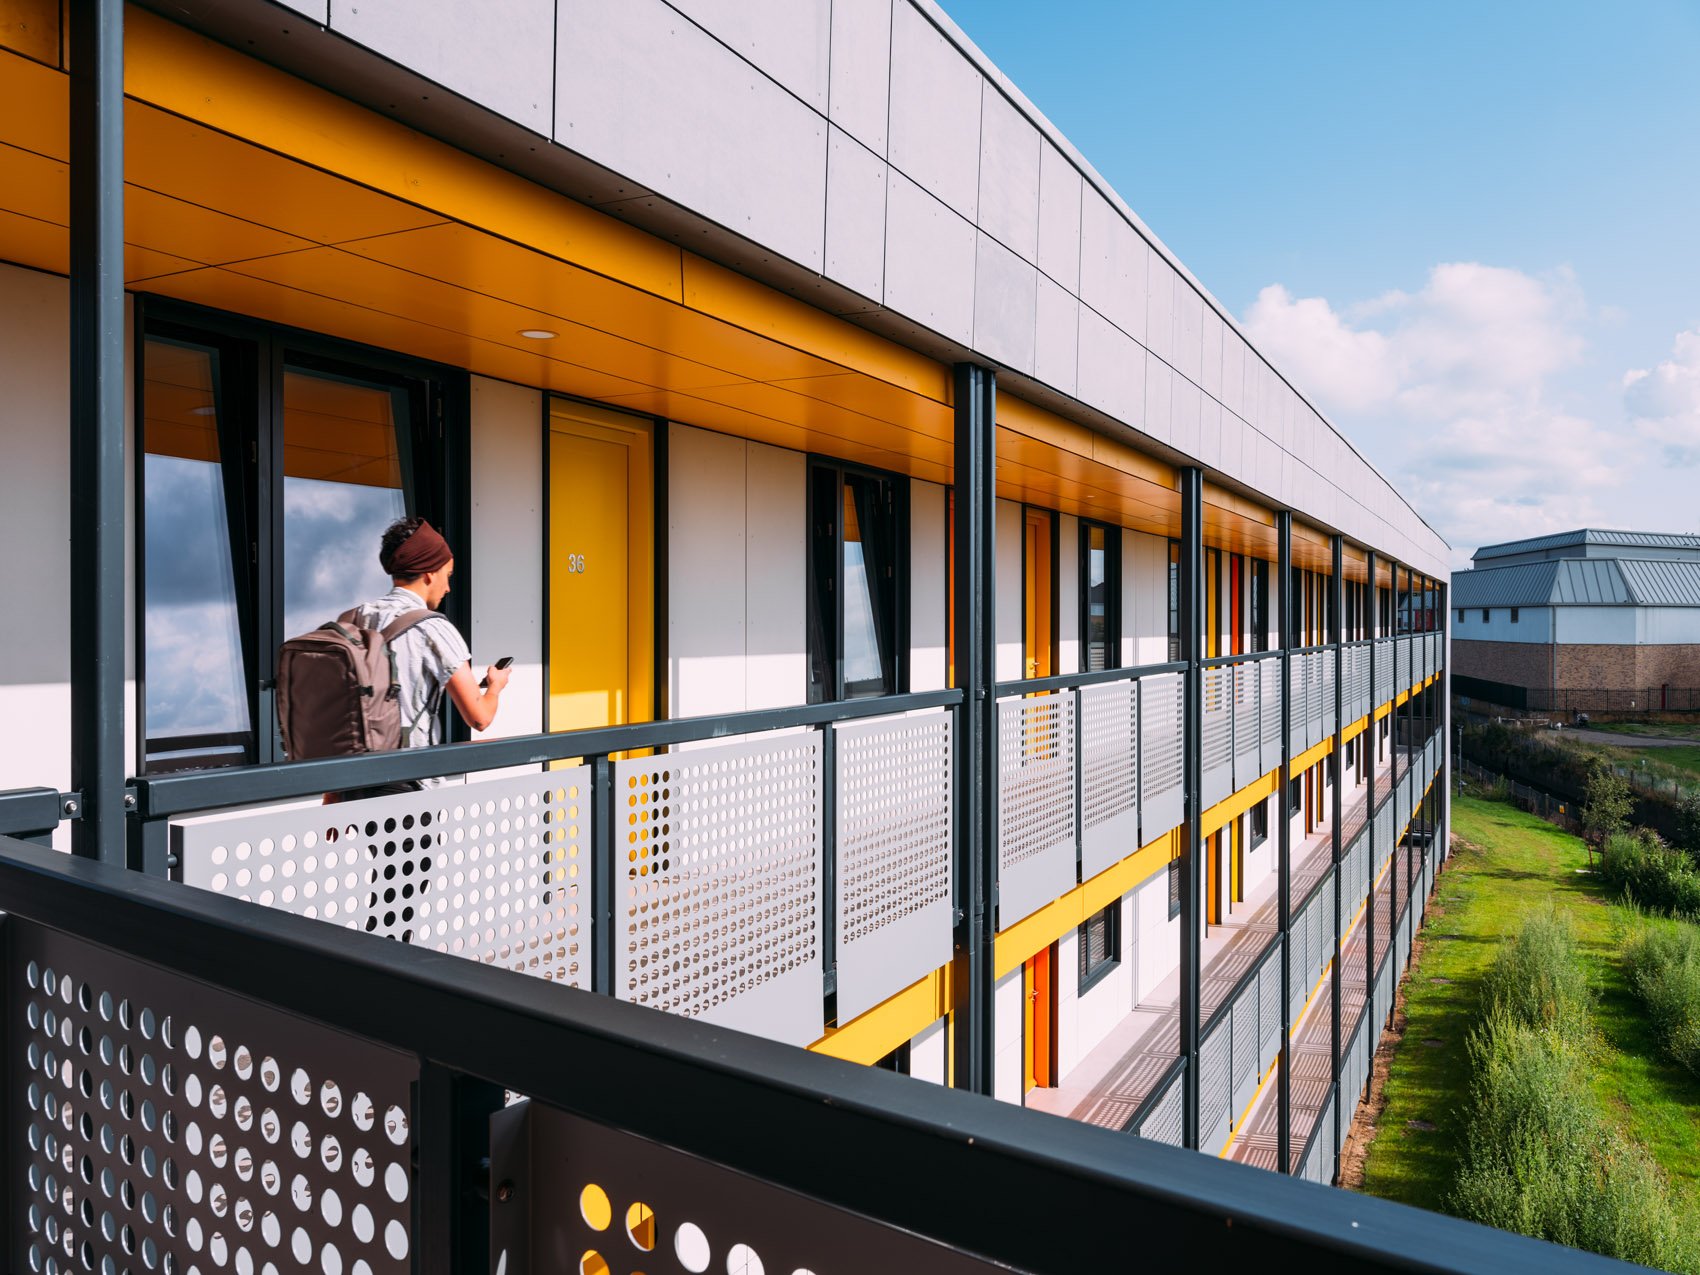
column 1040, row 590
column 1039, row 1020
column 1213, row 879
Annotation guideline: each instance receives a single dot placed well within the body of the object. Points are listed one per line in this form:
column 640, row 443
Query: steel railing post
column 1192, row 879
column 97, row 427
column 1284, row 868
column 1338, row 591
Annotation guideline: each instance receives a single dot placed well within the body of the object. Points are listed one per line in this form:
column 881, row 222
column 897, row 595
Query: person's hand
column 496, row 678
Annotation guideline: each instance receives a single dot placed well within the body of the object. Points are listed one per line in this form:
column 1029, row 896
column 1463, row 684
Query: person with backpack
column 375, row 677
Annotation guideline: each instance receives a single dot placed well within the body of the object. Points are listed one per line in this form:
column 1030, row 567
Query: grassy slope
column 1517, row 860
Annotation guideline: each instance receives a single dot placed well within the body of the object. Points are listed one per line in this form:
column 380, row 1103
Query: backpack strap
column 402, row 623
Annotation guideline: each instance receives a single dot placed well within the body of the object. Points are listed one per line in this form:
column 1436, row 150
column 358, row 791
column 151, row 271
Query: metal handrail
column 1069, row 681
column 186, row 793
column 1246, row 657
column 1159, row 1091
column 1226, row 1004
column 748, row 1104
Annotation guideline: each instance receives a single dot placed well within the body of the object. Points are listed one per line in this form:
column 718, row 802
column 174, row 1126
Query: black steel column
column 1337, row 593
column 97, row 426
column 1284, row 868
column 1373, row 845
column 975, row 656
column 1192, row 880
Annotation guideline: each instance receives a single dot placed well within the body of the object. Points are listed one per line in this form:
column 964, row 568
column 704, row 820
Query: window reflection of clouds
column 192, row 642
column 861, row 641
column 331, row 532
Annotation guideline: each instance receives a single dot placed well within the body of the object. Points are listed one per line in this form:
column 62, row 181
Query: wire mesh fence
column 1558, row 810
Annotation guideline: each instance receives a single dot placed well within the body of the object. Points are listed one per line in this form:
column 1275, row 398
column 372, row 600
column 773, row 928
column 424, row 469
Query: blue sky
column 1482, row 220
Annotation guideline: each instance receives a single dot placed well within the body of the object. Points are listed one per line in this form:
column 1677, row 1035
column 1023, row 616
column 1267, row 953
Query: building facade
column 1582, row 621
column 941, row 640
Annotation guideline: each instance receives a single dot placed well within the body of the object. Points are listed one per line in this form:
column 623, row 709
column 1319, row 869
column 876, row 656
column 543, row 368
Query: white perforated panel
column 163, row 1124
column 719, row 914
column 894, row 913
column 1162, row 725
column 496, row 871
column 1163, row 1122
column 1248, row 700
column 1217, row 740
column 1109, row 773
column 1269, row 734
column 1036, row 829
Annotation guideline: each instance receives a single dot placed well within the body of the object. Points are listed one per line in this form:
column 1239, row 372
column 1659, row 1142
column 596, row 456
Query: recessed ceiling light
column 208, row 410
column 538, row 334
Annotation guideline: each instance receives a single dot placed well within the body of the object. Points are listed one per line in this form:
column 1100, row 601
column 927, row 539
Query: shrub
column 1688, row 825
column 1640, row 867
column 1537, row 980
column 1606, row 804
column 1663, row 965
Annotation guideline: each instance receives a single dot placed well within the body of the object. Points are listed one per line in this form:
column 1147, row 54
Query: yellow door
column 1039, row 588
column 601, row 577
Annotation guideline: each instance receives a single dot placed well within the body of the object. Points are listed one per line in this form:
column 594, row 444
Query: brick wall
column 1579, row 667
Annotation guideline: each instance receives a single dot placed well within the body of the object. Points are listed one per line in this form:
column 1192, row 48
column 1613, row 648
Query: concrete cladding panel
column 1004, row 304
column 788, row 39
column 1112, row 265
column 934, row 129
column 1059, row 217
column 692, row 120
column 929, row 260
column 855, row 215
column 1057, row 342
column 1112, row 369
column 860, row 79
column 1009, row 177
column 498, row 54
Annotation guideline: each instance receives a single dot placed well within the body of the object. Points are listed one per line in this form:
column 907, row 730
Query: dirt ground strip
column 1365, row 1120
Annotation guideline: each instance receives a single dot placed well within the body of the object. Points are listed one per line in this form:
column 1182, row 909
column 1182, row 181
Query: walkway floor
column 1111, row 1082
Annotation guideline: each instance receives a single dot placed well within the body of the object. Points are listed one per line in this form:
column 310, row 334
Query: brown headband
column 422, row 551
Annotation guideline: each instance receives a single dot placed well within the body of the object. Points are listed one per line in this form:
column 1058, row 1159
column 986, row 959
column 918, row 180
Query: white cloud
column 1452, row 392
column 1664, row 401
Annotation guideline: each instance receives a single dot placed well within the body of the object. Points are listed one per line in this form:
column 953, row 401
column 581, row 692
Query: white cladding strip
column 893, row 816
column 496, row 871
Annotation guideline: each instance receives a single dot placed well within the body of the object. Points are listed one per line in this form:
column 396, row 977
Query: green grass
column 1664, row 763
column 1515, row 862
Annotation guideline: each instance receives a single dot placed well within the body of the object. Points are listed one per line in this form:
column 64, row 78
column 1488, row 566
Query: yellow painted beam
column 1229, row 808
column 1354, row 730
column 869, row 1037
column 1315, row 753
column 1070, row 911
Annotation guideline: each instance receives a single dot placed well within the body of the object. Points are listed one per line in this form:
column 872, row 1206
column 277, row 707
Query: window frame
column 1090, row 975
column 1174, row 887
column 1514, row 611
column 1112, row 593
column 897, row 637
column 1254, row 837
column 434, row 450
column 1487, row 615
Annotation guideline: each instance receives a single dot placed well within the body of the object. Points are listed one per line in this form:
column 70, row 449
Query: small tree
column 1606, row 804
column 1688, row 824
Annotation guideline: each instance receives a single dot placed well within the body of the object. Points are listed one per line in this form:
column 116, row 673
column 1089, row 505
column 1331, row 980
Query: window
column 1514, row 615
column 271, row 462
column 1259, row 824
column 1100, row 596
column 857, row 619
column 1460, row 616
column 1295, row 795
column 1259, row 605
column 1100, row 943
column 1486, row 615
column 1174, row 887
column 1174, row 600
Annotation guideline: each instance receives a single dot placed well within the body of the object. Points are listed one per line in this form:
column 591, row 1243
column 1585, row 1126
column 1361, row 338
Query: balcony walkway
column 1109, row 1084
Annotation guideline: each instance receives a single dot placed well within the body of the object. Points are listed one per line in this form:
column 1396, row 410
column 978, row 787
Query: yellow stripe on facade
column 1231, row 808
column 870, row 1036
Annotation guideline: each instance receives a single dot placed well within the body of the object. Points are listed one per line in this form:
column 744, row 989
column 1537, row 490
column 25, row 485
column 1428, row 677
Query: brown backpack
column 337, row 691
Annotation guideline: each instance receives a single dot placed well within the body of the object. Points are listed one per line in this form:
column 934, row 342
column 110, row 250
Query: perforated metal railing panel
column 1036, row 831
column 1162, row 758
column 496, row 871
column 1215, row 1080
column 1217, row 742
column 1248, row 700
column 719, row 915
column 1163, row 1122
column 1109, row 774
column 1269, row 1010
column 588, row 1198
column 894, row 855
column 1269, row 724
column 161, row 1124
column 1298, row 703
column 1330, row 678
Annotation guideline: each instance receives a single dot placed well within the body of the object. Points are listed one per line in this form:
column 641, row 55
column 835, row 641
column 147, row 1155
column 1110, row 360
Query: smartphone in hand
column 504, row 662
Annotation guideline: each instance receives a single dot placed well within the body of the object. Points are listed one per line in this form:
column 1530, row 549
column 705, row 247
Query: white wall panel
column 929, row 598
column 1145, row 585
column 1159, row 938
column 1129, row 595
column 1057, row 336
column 1009, row 627
column 1534, row 624
column 318, row 10
column 855, row 216
column 1160, row 307
column 1005, row 305
column 1209, row 431
column 929, row 260
column 1112, row 267
column 1607, row 626
column 1159, row 400
column 1105, row 1004
column 776, row 595
column 935, row 112
column 1111, row 369
column 927, row 1057
column 692, row 119
column 1006, row 1038
column 860, row 74
column 1068, row 594
column 1060, row 189
column 786, row 39
column 705, row 572
column 501, row 55
column 1666, row 625
column 1186, row 411
column 1234, row 353
column 1189, row 335
column 1009, row 176
column 508, row 537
